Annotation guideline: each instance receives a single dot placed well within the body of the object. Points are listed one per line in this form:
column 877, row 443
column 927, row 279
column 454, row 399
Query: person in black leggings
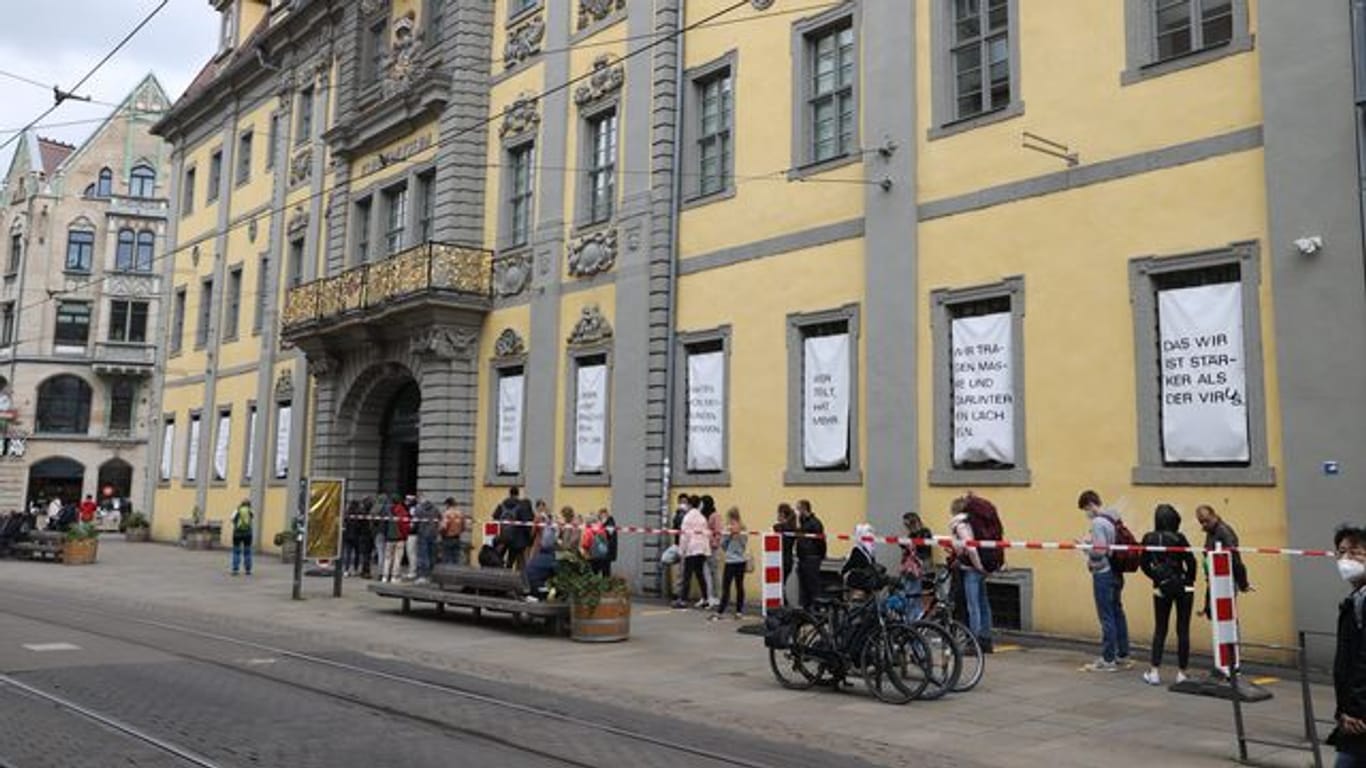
column 1173, row 577
column 810, row 554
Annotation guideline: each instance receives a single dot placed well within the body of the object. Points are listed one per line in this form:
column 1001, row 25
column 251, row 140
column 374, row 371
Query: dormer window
column 227, row 35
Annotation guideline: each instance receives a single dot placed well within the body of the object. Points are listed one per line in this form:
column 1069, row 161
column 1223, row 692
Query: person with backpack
column 1107, row 583
column 241, row 537
column 514, row 536
column 452, row 529
column 811, row 551
column 398, row 526
column 975, row 519
column 599, row 543
column 426, row 529
column 1173, row 577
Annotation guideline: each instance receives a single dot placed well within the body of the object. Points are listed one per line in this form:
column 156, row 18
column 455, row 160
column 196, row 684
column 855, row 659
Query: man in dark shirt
column 1220, row 534
column 1349, row 665
column 810, row 554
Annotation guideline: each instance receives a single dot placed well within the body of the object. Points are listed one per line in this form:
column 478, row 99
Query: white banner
column 251, row 441
column 220, row 447
column 1204, row 395
column 282, row 442
column 192, row 455
column 825, row 402
column 983, row 390
column 509, row 447
column 167, row 450
column 590, row 420
column 706, row 412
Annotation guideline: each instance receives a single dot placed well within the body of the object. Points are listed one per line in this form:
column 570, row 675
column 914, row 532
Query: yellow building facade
column 872, row 255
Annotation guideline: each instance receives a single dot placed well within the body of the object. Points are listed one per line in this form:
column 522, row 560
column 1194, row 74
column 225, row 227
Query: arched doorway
column 399, row 432
column 115, row 479
column 57, row 477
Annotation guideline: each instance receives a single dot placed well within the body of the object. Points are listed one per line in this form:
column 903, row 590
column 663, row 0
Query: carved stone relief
column 509, row 344
column 406, row 65
column 524, row 41
column 284, row 387
column 511, row 274
column 593, row 11
column 591, row 328
column 593, row 253
column 322, row 366
column 521, row 117
column 605, row 80
column 442, row 343
column 298, row 222
column 301, row 166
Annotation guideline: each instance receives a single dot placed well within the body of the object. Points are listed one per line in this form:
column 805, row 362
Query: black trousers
column 734, row 573
column 808, row 580
column 692, row 568
column 1162, row 609
column 603, row 567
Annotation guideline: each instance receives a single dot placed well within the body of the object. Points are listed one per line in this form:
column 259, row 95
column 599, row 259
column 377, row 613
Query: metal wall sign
column 323, row 529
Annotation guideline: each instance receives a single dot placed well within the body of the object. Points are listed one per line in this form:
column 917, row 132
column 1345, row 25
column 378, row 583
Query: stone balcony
column 139, row 207
column 426, row 284
column 115, row 358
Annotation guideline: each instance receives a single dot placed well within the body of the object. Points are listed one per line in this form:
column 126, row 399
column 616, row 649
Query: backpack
column 1129, row 560
column 599, row 549
column 1167, row 578
column 241, row 520
column 986, row 526
column 488, row 557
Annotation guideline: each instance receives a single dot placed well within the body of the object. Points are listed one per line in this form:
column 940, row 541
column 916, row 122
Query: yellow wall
column 486, row 497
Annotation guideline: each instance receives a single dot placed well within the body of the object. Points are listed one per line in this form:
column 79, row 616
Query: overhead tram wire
column 61, row 96
column 46, row 87
column 477, row 125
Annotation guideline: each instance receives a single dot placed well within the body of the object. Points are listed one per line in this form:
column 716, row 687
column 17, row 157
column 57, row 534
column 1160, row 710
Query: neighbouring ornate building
column 80, row 307
column 874, row 255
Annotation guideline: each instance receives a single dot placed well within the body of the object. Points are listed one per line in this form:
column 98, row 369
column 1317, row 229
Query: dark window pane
column 64, row 405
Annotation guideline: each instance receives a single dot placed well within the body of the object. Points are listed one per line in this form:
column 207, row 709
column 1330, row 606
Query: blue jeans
column 1108, row 589
column 426, row 556
column 979, row 610
column 1350, row 760
column 241, row 548
column 913, row 592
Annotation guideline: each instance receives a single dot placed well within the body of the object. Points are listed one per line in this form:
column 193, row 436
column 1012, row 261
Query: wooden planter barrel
column 137, row 534
column 609, row 622
column 79, row 551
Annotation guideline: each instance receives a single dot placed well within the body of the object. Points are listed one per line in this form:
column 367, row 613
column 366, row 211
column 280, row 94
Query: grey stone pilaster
column 461, row 158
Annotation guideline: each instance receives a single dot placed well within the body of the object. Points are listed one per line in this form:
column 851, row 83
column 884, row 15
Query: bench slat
column 496, row 604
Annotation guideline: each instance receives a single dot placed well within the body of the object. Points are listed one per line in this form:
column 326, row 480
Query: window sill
column 242, row 182
column 1009, row 112
column 504, row 481
column 812, row 169
column 71, row 350
column 1237, row 45
column 1264, row 477
column 602, row 480
column 701, row 480
column 818, row 477
column 699, row 200
column 1019, row 476
column 76, row 272
column 586, row 227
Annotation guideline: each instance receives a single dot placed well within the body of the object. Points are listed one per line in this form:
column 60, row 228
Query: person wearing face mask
column 1349, row 664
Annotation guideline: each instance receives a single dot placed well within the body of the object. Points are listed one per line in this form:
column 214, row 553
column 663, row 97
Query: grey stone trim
column 516, row 143
column 943, row 102
column 942, row 302
column 797, row 322
column 582, row 191
column 593, row 28
column 195, row 415
column 166, row 313
column 573, row 358
column 461, row 177
column 1141, row 43
column 680, row 476
column 773, row 246
column 847, row 13
column 693, row 79
column 1151, row 469
column 223, row 373
column 498, row 368
column 154, row 447
column 1176, row 155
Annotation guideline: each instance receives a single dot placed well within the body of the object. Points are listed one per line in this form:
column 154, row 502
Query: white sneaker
column 713, row 603
column 700, row 603
column 1152, row 678
column 1181, row 677
column 1100, row 665
column 533, row 599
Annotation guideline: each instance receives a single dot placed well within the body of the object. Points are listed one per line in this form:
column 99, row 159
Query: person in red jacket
column 399, row 525
column 88, row 509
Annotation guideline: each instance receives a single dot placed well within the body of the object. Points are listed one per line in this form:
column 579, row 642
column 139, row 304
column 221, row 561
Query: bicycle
column 939, row 612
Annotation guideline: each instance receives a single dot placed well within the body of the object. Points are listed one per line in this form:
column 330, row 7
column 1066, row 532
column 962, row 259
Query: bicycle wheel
column 798, row 666
column 903, row 664
column 941, row 659
column 974, row 661
column 880, row 672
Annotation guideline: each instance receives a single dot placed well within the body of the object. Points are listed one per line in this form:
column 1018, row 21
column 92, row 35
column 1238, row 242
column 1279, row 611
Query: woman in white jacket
column 695, row 543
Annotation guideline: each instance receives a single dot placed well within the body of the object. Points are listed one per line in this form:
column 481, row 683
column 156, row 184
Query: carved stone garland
column 443, row 343
column 511, row 274
column 593, row 11
column 591, row 328
column 522, row 116
column 509, row 344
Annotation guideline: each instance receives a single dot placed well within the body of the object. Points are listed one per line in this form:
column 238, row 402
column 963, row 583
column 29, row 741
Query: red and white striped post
column 773, row 572
column 490, row 532
column 1224, row 608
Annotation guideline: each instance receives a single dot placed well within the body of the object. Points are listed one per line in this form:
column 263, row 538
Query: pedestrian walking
column 1173, row 578
column 1107, row 585
column 810, row 550
column 695, row 542
column 351, row 539
column 734, row 548
column 710, row 600
column 973, row 518
column 241, row 537
column 786, row 527
column 452, row 529
column 1349, row 663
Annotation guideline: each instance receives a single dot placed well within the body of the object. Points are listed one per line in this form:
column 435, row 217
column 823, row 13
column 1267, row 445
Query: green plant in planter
column 135, row 521
column 287, row 535
column 82, row 532
column 575, row 581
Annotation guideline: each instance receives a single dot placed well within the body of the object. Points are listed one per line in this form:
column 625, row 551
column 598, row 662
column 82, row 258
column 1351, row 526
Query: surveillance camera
column 1309, row 246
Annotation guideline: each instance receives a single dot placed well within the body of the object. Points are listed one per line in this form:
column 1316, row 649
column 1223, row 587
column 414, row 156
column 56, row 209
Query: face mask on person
column 1351, row 570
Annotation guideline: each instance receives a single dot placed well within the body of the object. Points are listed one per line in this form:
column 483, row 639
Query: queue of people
column 533, row 540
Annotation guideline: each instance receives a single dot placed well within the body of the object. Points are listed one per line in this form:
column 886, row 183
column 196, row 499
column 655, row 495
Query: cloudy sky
column 58, row 41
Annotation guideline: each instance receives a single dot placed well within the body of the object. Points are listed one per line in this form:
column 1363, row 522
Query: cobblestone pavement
column 677, row 674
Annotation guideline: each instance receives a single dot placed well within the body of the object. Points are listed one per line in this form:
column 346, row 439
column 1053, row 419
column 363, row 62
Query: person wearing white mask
column 1349, row 665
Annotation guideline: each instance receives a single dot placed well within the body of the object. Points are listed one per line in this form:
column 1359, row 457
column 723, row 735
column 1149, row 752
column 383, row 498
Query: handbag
column 749, row 563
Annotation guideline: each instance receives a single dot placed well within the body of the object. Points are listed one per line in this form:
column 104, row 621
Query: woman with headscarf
column 1173, row 577
column 860, row 569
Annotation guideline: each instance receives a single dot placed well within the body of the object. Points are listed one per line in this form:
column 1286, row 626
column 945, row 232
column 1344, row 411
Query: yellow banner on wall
column 324, row 526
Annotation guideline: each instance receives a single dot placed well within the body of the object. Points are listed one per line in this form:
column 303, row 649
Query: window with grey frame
column 250, row 448
column 1165, row 36
column 1199, row 363
column 122, row 400
column 123, row 250
column 831, row 107
column 507, row 423
column 303, row 125
column 701, row 439
column 16, row 252
column 244, row 156
column 80, row 250
column 178, row 321
column 601, row 166
column 258, row 317
column 215, row 175
column 146, row 247
column 73, row 324
column 395, row 217
column 296, row 262
column 201, row 333
column 978, row 385
column 588, row 418
column 822, row 370
column 521, row 192
column 272, row 136
column 104, row 186
column 980, row 56
column 715, row 108
column 142, row 181
column 1183, row 26
column 360, row 222
column 128, row 321
column 232, row 312
column 435, row 15
column 187, row 193
column 426, row 205
column 373, row 49
column 7, row 325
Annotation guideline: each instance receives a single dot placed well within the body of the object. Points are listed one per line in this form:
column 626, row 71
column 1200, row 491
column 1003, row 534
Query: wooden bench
column 40, row 545
column 495, row 590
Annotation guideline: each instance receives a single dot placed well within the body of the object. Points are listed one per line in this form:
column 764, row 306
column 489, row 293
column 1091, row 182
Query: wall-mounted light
column 1308, row 246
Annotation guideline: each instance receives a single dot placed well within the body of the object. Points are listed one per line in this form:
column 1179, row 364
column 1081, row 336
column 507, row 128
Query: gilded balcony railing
column 427, row 268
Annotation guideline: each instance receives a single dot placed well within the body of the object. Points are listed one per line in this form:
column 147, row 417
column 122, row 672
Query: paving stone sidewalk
column 1034, row 706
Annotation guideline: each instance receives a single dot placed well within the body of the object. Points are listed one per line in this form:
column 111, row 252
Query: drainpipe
column 671, row 353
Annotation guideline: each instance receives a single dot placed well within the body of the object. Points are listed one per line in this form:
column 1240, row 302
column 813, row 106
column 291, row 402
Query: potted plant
column 198, row 533
column 288, row 542
column 81, row 544
column 137, row 528
column 599, row 606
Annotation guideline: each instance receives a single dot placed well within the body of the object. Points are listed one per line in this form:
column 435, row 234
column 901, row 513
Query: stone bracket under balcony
column 433, row 283
column 115, row 358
